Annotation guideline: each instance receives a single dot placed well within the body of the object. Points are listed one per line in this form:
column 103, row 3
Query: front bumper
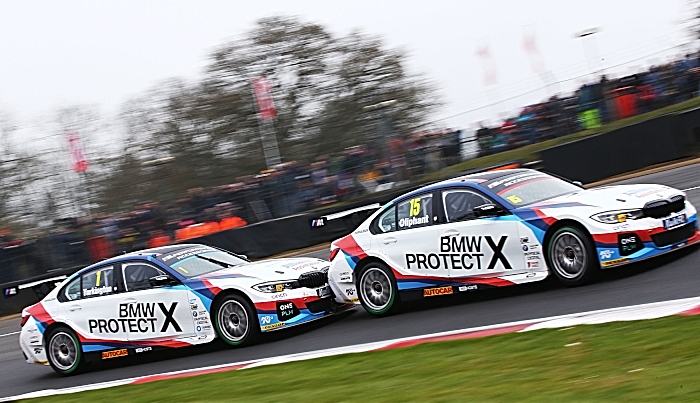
column 647, row 238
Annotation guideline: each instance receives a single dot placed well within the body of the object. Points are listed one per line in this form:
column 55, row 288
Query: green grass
column 656, row 360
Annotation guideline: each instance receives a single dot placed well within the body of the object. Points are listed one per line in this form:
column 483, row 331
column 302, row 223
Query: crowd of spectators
column 595, row 104
column 294, row 187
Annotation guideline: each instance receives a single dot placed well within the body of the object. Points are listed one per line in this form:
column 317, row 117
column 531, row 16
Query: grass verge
column 655, row 360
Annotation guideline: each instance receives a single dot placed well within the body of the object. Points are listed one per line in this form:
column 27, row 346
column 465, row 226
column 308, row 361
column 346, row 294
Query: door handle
column 451, row 232
column 75, row 308
column 387, row 241
column 129, row 301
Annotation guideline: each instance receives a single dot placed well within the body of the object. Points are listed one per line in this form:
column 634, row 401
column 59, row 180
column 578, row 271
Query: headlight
column 615, row 217
column 276, row 286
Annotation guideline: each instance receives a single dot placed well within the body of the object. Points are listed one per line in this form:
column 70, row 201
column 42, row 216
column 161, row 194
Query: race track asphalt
column 664, row 278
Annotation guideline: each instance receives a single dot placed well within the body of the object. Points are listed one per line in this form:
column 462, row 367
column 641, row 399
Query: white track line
column 9, row 334
column 693, row 188
column 636, row 312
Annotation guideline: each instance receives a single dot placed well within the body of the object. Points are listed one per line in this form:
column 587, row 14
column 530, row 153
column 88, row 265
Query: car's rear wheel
column 64, row 352
column 377, row 289
column 235, row 321
column 571, row 257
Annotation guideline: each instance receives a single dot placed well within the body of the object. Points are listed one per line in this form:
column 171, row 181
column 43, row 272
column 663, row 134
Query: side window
column 71, row 291
column 98, row 282
column 459, row 204
column 415, row 212
column 136, row 275
column 387, row 220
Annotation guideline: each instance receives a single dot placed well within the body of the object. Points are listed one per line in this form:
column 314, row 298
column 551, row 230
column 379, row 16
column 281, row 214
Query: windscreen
column 199, row 260
column 523, row 188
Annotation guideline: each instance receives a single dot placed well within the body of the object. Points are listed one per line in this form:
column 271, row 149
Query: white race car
column 172, row 296
column 500, row 228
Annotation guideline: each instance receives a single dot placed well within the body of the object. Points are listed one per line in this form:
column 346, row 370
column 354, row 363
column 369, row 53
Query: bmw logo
column 194, row 314
column 525, row 248
column 199, row 328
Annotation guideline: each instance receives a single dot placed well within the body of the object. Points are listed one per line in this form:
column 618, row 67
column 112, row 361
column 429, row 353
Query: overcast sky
column 58, row 53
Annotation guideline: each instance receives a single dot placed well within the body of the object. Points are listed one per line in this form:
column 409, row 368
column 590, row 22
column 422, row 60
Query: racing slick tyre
column 377, row 289
column 63, row 351
column 571, row 257
column 236, row 321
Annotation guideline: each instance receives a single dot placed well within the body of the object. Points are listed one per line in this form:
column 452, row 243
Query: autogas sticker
column 122, row 352
column 286, row 310
column 674, row 221
column 34, row 339
column 345, row 277
column 614, row 262
column 140, row 350
column 137, row 318
column 461, row 253
column 272, row 326
column 431, row 292
column 470, row 287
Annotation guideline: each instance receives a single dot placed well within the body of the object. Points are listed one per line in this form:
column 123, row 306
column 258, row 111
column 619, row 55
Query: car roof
column 143, row 254
column 470, row 180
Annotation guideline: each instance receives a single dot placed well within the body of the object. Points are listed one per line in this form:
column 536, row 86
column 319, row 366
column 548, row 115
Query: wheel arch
column 225, row 293
column 366, row 261
column 50, row 328
column 567, row 222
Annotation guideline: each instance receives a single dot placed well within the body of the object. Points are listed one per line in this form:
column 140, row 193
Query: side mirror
column 161, row 281
column 488, row 210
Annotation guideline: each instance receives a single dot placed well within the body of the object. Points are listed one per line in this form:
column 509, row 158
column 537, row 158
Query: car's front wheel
column 377, row 289
column 235, row 321
column 571, row 256
column 63, row 350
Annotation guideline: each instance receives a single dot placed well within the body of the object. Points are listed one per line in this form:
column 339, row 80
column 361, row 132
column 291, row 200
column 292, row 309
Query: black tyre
column 236, row 321
column 64, row 352
column 571, row 257
column 377, row 289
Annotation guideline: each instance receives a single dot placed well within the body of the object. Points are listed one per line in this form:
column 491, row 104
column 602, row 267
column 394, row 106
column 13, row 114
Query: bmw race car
column 172, row 296
column 500, row 228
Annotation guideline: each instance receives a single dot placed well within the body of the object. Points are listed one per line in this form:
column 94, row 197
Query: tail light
column 334, row 252
column 25, row 318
